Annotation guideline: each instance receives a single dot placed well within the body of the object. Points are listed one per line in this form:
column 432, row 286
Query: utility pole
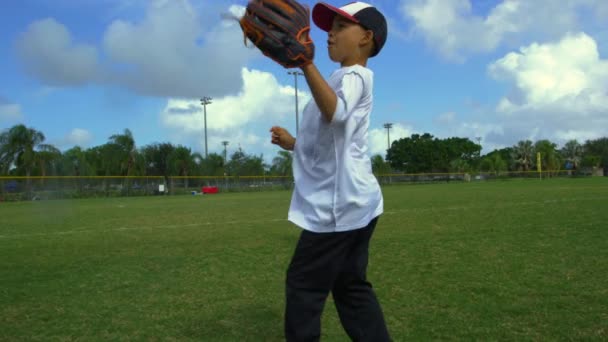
column 388, row 127
column 295, row 78
column 225, row 143
column 205, row 101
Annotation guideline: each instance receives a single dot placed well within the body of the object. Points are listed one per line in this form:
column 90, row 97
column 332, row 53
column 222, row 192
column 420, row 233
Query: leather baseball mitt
column 280, row 29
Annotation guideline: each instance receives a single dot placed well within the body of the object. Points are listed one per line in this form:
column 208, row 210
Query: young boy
column 336, row 199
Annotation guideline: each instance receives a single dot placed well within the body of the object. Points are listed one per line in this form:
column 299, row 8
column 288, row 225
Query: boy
column 336, row 199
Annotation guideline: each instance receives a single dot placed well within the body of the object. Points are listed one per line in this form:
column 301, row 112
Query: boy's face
column 344, row 41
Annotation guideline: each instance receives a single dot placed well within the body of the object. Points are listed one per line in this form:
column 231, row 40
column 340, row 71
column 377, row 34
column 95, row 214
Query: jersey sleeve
column 349, row 93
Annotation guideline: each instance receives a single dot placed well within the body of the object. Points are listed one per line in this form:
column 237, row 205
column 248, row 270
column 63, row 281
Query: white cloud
column 79, row 137
column 559, row 92
column 569, row 72
column 489, row 135
column 568, row 76
column 10, row 113
column 167, row 54
column 172, row 51
column 241, row 137
column 475, row 130
column 378, row 138
column 262, row 98
column 48, row 52
column 261, row 103
column 450, row 125
column 445, row 118
column 235, row 11
column 453, row 28
column 76, row 137
column 448, row 25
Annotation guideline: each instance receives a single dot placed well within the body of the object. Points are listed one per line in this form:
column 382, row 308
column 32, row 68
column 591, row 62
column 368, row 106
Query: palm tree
column 242, row 164
column 156, row 158
column 213, row 165
column 494, row 163
column 379, row 166
column 523, row 154
column 281, row 164
column 48, row 158
column 197, row 159
column 19, row 146
column 127, row 154
column 74, row 163
column 573, row 153
column 459, row 166
column 126, row 143
column 550, row 158
column 181, row 162
column 105, row 160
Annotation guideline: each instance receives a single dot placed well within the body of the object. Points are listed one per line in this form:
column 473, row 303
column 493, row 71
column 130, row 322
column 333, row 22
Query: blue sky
column 498, row 70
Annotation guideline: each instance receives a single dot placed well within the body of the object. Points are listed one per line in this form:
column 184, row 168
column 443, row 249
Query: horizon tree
column 20, row 146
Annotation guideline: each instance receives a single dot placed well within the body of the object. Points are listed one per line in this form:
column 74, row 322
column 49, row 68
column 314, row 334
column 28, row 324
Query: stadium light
column 204, row 102
column 225, row 143
column 295, row 78
column 388, row 127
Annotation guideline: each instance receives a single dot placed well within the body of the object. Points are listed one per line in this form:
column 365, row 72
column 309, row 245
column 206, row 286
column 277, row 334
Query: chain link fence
column 58, row 187
column 64, row 187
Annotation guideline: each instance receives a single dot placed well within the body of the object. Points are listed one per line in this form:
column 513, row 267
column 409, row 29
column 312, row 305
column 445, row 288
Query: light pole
column 295, row 78
column 225, row 143
column 205, row 101
column 388, row 127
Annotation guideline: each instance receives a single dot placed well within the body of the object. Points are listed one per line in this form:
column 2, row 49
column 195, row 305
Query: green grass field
column 506, row 260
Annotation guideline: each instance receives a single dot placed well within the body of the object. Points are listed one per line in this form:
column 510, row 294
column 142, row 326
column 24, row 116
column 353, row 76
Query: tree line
column 428, row 154
column 23, row 152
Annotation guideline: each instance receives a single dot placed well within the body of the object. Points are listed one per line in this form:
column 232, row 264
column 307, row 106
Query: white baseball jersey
column 335, row 189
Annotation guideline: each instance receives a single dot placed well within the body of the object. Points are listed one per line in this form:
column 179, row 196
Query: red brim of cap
column 323, row 15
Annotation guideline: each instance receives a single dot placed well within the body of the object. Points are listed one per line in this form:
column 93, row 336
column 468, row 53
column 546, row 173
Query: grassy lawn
column 506, row 260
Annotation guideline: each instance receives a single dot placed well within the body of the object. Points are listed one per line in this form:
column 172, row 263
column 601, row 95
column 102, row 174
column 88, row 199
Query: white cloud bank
column 560, row 89
column 243, row 118
column 456, row 31
column 169, row 52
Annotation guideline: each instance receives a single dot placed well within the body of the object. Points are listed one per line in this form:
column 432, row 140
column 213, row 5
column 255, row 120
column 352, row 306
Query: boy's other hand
column 280, row 136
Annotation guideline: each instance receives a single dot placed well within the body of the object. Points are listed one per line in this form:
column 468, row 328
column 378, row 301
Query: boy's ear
column 368, row 37
column 367, row 41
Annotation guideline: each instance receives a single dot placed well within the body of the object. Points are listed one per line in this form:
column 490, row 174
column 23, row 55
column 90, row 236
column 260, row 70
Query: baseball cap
column 359, row 12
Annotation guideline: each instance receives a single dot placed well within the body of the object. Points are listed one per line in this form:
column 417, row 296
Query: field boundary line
column 118, row 229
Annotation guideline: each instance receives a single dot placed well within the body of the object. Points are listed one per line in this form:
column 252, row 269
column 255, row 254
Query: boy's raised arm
column 324, row 96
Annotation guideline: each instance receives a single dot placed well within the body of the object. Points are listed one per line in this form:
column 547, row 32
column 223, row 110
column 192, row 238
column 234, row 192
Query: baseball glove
column 280, row 29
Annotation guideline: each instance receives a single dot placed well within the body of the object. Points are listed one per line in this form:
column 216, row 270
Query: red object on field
column 209, row 189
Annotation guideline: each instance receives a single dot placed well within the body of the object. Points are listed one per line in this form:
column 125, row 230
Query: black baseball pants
column 336, row 263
